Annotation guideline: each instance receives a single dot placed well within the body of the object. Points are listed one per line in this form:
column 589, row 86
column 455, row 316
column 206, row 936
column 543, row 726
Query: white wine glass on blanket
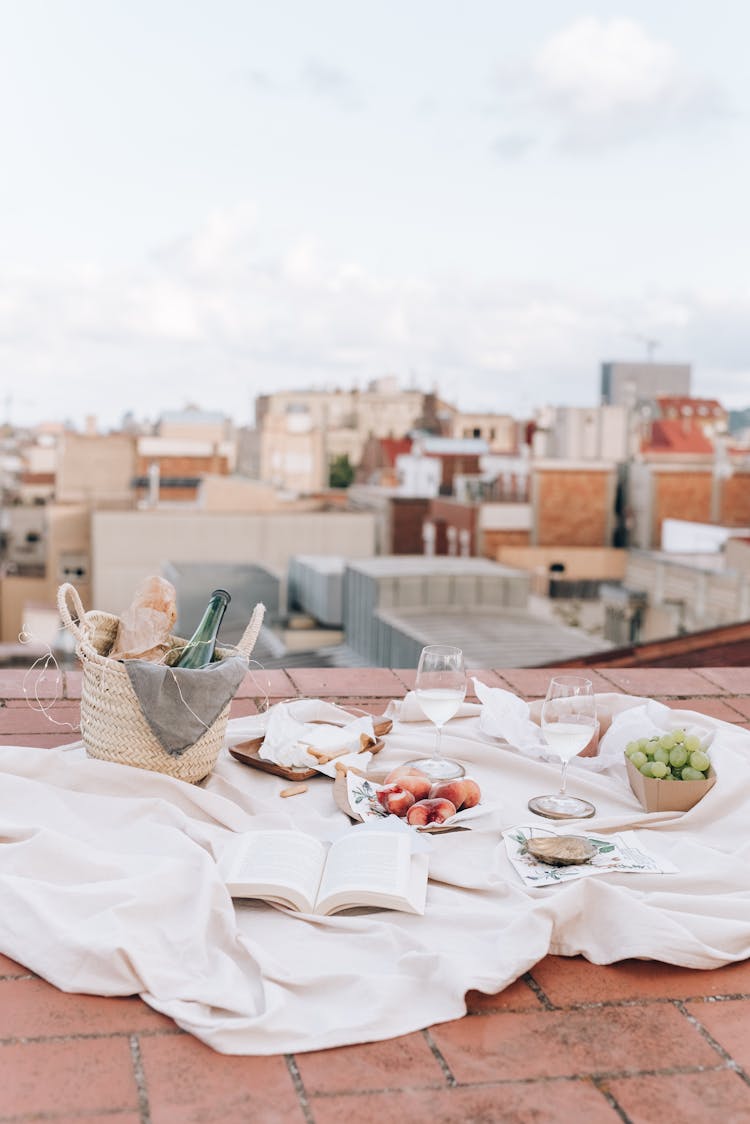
column 568, row 725
column 440, row 688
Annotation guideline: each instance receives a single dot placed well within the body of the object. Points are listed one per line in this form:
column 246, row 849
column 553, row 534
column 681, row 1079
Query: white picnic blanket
column 109, row 885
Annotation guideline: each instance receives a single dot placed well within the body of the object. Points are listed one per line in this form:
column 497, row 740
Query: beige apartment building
column 240, row 494
column 127, row 546
column 589, row 433
column 301, row 432
column 63, row 553
column 96, row 469
column 500, row 431
column 194, row 424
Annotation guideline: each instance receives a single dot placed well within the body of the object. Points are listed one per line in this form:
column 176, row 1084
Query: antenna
column 651, row 345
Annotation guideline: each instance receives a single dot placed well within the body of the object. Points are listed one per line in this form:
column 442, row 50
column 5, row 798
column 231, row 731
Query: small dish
column 561, row 850
column 341, row 797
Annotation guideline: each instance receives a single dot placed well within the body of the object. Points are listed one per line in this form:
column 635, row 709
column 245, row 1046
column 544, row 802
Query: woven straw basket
column 113, row 727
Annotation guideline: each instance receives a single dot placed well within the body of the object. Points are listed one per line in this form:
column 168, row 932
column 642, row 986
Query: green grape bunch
column 675, row 756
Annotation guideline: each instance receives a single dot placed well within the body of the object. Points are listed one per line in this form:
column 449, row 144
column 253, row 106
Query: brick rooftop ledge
column 636, row 1041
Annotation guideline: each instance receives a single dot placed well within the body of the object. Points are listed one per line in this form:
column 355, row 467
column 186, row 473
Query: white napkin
column 507, row 717
column 291, row 728
column 409, row 710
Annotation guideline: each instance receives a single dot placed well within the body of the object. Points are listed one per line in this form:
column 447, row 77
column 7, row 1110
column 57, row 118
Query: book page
column 365, row 866
column 283, row 866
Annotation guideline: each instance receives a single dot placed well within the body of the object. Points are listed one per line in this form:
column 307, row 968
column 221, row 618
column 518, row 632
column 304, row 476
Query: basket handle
column 72, row 621
column 250, row 635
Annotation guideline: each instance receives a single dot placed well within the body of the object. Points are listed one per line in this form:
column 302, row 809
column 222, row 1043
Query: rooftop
column 387, row 565
column 483, row 633
column 633, row 1042
column 670, row 435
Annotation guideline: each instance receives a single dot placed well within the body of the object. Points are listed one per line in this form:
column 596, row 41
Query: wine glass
column 568, row 725
column 440, row 688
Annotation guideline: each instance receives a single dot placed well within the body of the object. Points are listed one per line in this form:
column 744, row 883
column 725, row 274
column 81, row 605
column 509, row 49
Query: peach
column 417, row 782
column 395, row 799
column 430, row 811
column 463, row 792
column 404, row 771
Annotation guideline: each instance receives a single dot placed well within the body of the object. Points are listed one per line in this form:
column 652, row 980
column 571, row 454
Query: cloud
column 225, row 315
column 324, row 80
column 315, row 78
column 512, row 146
column 599, row 83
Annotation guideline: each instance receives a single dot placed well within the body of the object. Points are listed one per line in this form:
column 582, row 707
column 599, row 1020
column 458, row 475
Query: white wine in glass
column 568, row 724
column 440, row 688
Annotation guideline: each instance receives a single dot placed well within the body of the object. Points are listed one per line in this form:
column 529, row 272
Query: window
column 73, row 568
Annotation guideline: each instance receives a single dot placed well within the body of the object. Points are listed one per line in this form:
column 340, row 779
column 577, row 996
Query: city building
column 500, row 432
column 96, row 469
column 625, row 384
column 127, row 546
column 582, row 433
column 378, row 461
column 299, row 433
column 682, row 424
column 44, row 546
column 194, row 424
column 187, row 445
column 454, row 456
column 696, row 487
column 170, row 469
column 394, row 606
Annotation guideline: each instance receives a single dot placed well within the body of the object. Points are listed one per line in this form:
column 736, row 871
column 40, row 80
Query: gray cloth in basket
column 180, row 703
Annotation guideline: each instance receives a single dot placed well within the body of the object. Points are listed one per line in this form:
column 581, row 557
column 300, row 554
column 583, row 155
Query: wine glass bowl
column 440, row 687
column 568, row 724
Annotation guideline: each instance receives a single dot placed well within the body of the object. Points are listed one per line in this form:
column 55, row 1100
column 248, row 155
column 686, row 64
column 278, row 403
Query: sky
column 202, row 201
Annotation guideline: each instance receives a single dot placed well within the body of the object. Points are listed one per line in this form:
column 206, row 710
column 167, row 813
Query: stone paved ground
column 568, row 1042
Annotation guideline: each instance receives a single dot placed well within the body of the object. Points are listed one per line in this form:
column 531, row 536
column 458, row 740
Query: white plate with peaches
column 407, row 792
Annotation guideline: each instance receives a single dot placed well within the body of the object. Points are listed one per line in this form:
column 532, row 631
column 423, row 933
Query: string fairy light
column 41, row 666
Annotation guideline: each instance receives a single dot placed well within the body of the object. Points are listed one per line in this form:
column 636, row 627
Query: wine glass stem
column 438, row 733
column 563, row 775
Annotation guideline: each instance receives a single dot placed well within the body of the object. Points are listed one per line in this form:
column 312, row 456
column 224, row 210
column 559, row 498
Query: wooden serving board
column 248, row 753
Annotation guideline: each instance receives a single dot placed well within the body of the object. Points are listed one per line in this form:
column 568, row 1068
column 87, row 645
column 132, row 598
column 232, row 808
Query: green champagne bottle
column 199, row 650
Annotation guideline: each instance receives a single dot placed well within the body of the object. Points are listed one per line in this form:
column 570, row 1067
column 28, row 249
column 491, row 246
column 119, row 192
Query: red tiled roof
column 671, row 435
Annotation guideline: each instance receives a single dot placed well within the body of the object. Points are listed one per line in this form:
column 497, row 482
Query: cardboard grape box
column 667, row 796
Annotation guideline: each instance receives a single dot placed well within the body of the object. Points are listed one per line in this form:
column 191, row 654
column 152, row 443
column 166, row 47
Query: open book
column 362, row 868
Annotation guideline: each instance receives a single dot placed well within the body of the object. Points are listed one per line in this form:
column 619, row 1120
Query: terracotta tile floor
column 637, row 1042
